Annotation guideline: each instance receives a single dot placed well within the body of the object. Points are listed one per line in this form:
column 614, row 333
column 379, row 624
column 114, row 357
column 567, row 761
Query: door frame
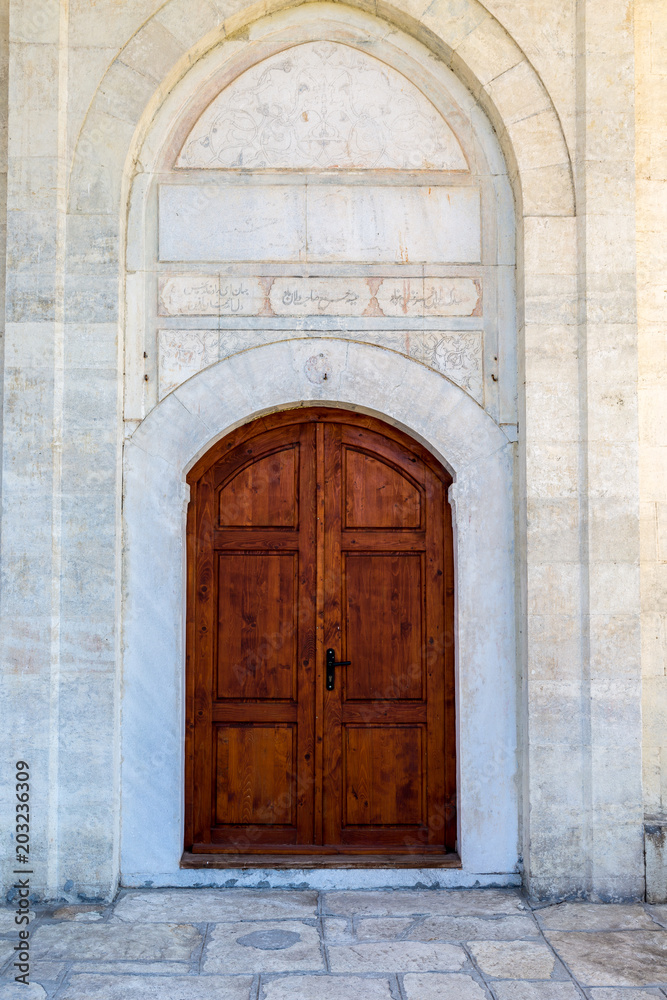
column 318, row 415
column 157, row 457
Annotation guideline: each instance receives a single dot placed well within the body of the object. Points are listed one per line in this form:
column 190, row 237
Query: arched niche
column 418, row 327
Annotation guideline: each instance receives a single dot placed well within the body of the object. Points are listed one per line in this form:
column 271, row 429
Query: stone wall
column 88, row 83
column 651, row 114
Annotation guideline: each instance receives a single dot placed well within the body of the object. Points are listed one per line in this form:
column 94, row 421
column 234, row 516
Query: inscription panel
column 222, row 295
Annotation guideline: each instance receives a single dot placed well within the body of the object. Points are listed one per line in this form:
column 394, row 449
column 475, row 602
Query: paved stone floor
column 239, row 944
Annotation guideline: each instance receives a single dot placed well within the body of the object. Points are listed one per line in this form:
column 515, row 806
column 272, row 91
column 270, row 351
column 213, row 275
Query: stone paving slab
column 373, row 945
column 214, row 906
column 514, row 959
column 402, row 902
column 436, row 986
column 615, row 958
column 286, row 946
column 168, row 942
column 157, row 988
column 593, row 917
column 326, row 988
column 409, row 956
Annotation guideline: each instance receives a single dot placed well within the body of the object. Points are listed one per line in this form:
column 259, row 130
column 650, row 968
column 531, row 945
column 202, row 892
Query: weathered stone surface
column 473, row 929
column 133, row 968
column 16, row 991
column 659, row 914
column 409, row 956
column 620, row 958
column 535, row 991
column 382, row 121
column 594, row 917
column 475, row 902
column 287, row 946
column 82, row 914
column 513, row 959
column 433, row 986
column 7, row 922
column 329, row 988
column 170, row 942
column 157, row 987
column 214, row 905
column 609, row 993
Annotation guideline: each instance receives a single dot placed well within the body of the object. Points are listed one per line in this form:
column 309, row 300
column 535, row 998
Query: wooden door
column 310, row 531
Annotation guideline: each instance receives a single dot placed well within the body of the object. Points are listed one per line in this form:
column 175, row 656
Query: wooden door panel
column 308, row 530
column 255, row 774
column 383, row 625
column 383, row 769
column 264, row 494
column 378, row 495
column 257, row 625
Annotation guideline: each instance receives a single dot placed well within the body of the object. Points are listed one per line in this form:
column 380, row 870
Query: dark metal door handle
column 332, row 663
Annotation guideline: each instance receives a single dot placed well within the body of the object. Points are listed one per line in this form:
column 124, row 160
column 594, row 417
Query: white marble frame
column 175, row 434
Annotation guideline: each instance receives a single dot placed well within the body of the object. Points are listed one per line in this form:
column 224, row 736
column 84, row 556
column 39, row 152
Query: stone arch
column 172, row 437
column 465, row 36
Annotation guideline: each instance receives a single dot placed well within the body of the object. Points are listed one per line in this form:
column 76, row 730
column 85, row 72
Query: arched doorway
column 317, row 536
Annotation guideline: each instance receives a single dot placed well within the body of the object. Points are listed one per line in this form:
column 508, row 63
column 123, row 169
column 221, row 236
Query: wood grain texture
column 312, row 529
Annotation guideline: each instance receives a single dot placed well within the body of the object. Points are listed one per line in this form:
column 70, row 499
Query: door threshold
column 279, row 861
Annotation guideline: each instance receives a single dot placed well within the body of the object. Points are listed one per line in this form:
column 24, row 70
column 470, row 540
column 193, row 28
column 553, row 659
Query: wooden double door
column 319, row 537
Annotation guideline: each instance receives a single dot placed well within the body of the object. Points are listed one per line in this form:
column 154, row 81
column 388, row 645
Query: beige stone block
column 553, row 647
column 31, row 183
column 418, row 297
column 552, row 412
column 188, row 20
column 661, row 516
column 413, row 902
column 413, row 956
column 98, row 163
column 448, row 928
column 538, row 141
column 654, row 588
column 614, row 588
column 652, row 780
column 552, row 470
column 654, row 699
column 610, row 78
column 652, row 345
column 431, row 986
column 651, row 208
column 654, row 473
column 551, row 354
column 33, row 69
column 124, row 93
column 610, row 185
column 37, row 22
column 654, row 644
column 616, row 723
column 613, row 530
column 452, row 20
column 620, row 958
column 32, row 135
column 611, row 353
column 610, row 241
column 553, row 589
column 615, row 643
column 612, row 993
column 612, row 416
column 612, row 470
column 550, row 299
column 486, row 52
column 653, row 416
column 111, row 24
column 552, row 532
column 552, row 705
column 153, row 51
column 550, row 245
column 190, row 295
column 513, row 959
column 547, row 190
column 184, row 353
column 518, row 93
column 609, row 135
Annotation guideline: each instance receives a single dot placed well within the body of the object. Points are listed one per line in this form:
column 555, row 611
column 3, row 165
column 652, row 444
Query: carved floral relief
column 322, row 105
